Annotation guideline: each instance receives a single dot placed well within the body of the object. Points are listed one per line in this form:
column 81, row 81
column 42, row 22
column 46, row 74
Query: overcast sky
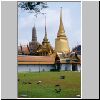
column 71, row 13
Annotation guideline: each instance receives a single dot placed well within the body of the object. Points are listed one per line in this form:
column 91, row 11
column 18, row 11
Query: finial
column 61, row 27
column 45, row 37
column 45, row 26
column 61, row 13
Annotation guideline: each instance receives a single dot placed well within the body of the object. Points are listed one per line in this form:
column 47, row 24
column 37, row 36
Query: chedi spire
column 45, row 37
column 61, row 31
column 61, row 42
column 34, row 34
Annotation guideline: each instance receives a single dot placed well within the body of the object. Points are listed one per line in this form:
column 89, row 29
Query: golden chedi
column 61, row 42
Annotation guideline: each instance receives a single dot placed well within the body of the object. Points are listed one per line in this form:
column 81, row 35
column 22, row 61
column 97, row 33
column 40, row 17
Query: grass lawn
column 28, row 87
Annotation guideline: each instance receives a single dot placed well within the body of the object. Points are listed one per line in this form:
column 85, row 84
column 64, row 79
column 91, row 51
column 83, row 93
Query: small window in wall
column 74, row 67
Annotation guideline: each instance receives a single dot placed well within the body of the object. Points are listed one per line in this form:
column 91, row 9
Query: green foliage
column 70, row 86
column 32, row 7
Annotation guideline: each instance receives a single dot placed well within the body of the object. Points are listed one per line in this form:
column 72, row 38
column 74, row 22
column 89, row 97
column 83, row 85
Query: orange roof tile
column 30, row 63
column 35, row 60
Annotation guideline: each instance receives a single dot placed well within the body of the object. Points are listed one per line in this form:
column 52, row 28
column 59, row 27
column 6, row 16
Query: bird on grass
column 58, row 90
column 39, row 82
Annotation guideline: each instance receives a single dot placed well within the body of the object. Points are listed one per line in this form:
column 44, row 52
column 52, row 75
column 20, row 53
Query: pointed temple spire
column 61, row 42
column 34, row 34
column 45, row 26
column 45, row 29
column 45, row 37
column 61, row 30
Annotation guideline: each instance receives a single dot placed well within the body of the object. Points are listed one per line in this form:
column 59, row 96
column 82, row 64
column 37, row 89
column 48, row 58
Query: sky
column 71, row 16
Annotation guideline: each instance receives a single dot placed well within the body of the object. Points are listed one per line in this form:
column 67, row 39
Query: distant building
column 35, row 48
column 69, row 62
column 35, row 63
column 38, row 57
column 32, row 47
column 34, row 44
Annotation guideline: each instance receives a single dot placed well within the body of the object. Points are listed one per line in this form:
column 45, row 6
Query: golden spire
column 45, row 37
column 61, row 42
column 45, row 40
column 61, row 30
column 45, row 29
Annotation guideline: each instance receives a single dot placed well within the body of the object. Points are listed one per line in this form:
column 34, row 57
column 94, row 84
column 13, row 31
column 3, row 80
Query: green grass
column 70, row 86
